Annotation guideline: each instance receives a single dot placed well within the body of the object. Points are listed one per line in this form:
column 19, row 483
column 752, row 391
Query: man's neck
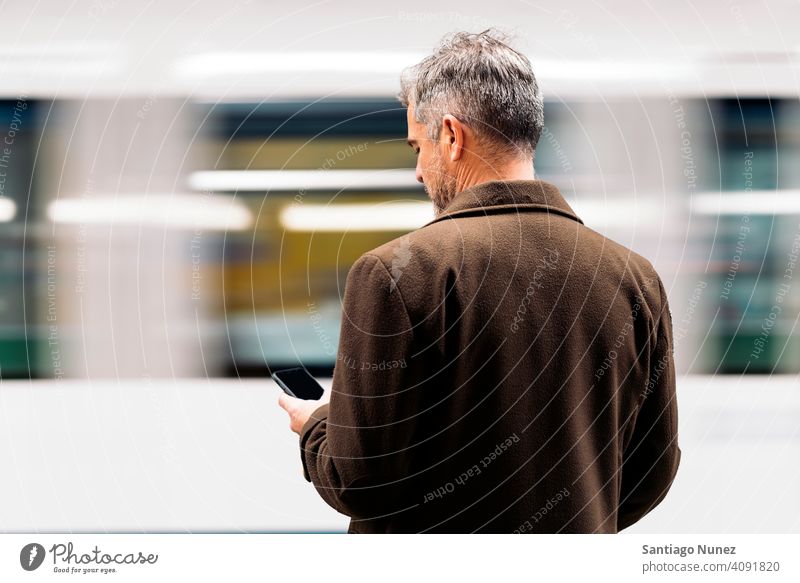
column 516, row 170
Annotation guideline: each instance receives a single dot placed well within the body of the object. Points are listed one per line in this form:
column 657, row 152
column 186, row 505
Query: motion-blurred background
column 184, row 186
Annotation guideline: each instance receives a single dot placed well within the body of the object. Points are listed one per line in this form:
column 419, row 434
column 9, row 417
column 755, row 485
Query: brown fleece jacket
column 504, row 368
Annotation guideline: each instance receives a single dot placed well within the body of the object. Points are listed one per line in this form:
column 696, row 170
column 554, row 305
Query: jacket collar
column 507, row 196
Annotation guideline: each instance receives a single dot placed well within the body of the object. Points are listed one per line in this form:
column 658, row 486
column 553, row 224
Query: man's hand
column 300, row 410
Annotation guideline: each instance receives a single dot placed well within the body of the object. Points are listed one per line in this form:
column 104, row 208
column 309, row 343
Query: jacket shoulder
column 423, row 244
column 639, row 265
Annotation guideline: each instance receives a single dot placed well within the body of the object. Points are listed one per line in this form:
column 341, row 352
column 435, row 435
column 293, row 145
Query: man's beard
column 441, row 187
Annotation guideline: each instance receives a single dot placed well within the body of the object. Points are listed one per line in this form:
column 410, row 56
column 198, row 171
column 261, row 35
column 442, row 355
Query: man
column 504, row 368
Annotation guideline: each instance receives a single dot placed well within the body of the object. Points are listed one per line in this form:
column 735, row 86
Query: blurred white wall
column 262, row 49
column 218, row 456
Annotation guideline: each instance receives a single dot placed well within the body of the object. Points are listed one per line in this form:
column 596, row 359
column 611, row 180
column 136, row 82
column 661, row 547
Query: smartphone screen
column 297, row 382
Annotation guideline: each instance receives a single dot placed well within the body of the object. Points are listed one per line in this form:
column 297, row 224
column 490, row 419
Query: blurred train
column 705, row 188
column 183, row 190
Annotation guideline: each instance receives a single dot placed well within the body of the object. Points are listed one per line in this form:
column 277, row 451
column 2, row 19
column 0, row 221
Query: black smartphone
column 297, row 382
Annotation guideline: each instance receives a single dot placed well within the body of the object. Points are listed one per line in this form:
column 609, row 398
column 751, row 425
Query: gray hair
column 484, row 83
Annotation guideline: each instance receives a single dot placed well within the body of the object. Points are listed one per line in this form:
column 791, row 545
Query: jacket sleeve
column 356, row 449
column 652, row 456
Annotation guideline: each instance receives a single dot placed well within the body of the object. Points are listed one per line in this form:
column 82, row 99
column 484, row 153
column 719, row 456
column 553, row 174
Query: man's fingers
column 299, row 410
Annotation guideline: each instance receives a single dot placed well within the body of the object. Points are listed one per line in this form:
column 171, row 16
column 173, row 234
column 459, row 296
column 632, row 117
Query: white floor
column 206, row 456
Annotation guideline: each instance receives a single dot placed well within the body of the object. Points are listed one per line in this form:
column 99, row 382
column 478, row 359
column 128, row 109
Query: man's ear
column 453, row 136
